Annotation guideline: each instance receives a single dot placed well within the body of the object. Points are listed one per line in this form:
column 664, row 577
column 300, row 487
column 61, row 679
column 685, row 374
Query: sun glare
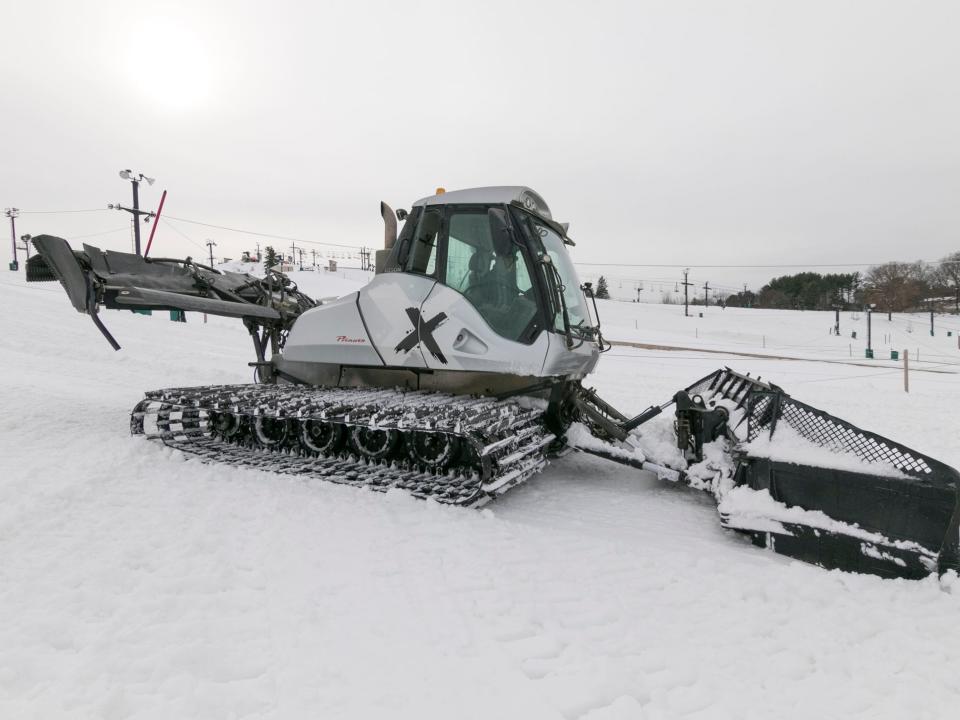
column 171, row 67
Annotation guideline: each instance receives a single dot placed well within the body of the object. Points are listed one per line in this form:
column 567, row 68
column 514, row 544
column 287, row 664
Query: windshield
column 572, row 295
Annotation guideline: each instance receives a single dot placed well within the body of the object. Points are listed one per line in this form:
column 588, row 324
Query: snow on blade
column 755, row 509
column 787, row 445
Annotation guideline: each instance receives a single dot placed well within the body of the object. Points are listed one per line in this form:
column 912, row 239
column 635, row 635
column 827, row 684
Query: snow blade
column 812, row 486
column 57, row 262
column 124, row 281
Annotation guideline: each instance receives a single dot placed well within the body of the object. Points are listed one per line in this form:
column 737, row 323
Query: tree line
column 891, row 287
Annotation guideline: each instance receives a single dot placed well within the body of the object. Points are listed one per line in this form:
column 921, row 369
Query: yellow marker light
column 440, row 191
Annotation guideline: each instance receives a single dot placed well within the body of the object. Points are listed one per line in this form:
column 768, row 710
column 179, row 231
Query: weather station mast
column 135, row 211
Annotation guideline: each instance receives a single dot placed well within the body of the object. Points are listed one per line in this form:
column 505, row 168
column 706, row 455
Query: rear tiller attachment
column 812, row 486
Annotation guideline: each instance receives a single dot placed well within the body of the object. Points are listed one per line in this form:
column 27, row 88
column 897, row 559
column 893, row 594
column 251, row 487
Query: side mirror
column 500, row 231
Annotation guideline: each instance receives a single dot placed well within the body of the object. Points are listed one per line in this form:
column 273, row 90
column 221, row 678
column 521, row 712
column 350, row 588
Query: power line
column 262, row 234
column 585, row 264
column 181, row 232
column 798, row 265
column 58, row 212
column 634, row 280
column 102, row 232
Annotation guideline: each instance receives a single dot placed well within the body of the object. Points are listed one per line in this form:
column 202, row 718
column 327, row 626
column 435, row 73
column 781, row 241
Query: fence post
column 906, row 370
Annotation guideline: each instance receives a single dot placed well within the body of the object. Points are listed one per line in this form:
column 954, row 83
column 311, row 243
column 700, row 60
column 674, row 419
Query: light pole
column 12, row 213
column 136, row 179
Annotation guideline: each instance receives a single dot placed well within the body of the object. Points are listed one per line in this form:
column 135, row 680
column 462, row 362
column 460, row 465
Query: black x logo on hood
column 422, row 333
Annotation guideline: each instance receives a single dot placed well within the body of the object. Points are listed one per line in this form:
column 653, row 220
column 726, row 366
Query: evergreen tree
column 809, row 290
column 603, row 293
column 269, row 258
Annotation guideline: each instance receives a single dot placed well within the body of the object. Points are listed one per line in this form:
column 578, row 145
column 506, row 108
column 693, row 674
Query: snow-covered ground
column 135, row 583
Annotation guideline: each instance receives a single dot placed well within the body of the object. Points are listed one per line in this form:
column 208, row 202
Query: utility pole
column 836, row 321
column 211, row 244
column 314, row 254
column 258, row 252
column 869, row 333
column 12, row 213
column 686, row 285
column 706, row 295
column 293, row 252
column 136, row 216
column 300, row 250
column 135, row 179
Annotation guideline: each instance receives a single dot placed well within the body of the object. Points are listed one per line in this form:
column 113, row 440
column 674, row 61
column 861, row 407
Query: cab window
column 497, row 285
column 422, row 257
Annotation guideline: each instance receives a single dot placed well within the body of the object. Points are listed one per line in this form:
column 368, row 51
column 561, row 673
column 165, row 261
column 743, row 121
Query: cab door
column 482, row 314
column 391, row 304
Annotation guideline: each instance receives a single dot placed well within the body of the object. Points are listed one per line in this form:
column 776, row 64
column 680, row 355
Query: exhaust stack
column 389, row 236
column 389, row 226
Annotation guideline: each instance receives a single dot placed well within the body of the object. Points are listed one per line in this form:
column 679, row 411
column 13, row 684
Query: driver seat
column 479, row 267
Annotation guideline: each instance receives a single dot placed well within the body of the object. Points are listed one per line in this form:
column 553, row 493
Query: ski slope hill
column 136, row 583
column 790, row 333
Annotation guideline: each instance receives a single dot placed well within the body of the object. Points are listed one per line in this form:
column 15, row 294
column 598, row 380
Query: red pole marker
column 156, row 220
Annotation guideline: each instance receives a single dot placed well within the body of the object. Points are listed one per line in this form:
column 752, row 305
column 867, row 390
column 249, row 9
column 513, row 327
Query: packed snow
column 138, row 583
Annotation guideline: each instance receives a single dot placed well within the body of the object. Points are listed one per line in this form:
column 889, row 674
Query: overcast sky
column 693, row 133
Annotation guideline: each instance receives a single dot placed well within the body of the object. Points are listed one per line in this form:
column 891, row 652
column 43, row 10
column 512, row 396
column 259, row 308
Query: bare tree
column 947, row 276
column 895, row 287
